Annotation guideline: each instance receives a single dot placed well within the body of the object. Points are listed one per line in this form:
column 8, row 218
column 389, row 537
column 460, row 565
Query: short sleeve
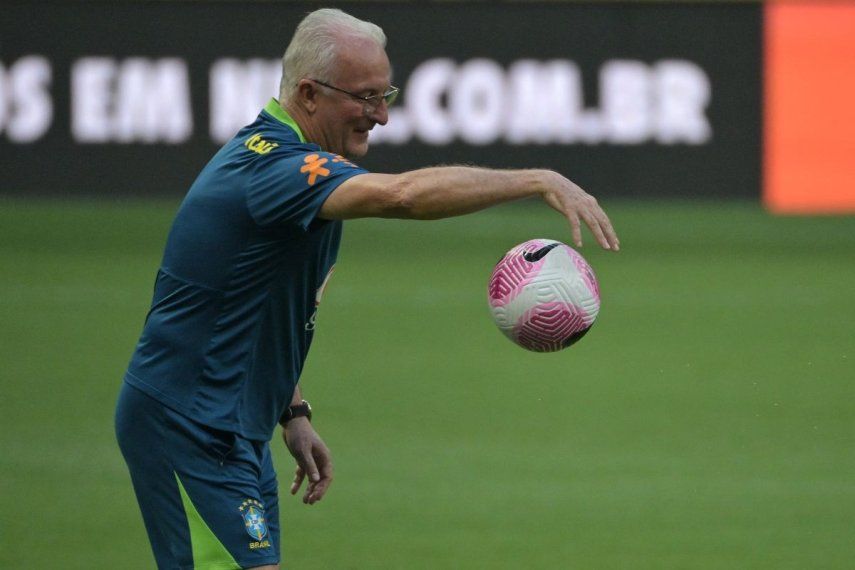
column 292, row 188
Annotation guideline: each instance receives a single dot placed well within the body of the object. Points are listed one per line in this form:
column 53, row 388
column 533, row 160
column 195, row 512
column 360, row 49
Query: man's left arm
column 314, row 460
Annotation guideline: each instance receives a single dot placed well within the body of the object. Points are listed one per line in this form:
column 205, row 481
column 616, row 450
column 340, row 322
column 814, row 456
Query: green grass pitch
column 705, row 422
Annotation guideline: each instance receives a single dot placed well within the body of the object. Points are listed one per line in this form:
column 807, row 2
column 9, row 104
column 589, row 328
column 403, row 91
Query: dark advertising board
column 629, row 100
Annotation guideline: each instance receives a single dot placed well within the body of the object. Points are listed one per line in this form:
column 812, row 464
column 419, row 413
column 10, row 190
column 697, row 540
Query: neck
column 303, row 120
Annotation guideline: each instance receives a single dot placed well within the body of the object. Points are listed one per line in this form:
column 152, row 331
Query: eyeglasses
column 372, row 101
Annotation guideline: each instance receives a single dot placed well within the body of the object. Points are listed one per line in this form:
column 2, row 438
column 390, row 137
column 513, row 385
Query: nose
column 379, row 114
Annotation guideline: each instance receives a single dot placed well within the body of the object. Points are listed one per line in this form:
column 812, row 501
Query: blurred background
column 705, row 422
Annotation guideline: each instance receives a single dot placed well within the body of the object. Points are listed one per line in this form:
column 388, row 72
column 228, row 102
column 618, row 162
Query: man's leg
column 198, row 489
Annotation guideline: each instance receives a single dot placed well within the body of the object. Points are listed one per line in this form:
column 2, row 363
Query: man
column 233, row 313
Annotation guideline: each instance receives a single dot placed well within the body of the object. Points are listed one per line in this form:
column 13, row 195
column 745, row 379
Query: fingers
column 576, row 204
column 299, row 475
column 609, row 231
column 576, row 227
column 311, row 471
column 318, row 488
column 594, row 224
column 599, row 224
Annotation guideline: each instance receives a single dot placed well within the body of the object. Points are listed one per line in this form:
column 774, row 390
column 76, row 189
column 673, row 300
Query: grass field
column 707, row 421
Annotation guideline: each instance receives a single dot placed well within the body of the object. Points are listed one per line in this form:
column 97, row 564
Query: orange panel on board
column 809, row 118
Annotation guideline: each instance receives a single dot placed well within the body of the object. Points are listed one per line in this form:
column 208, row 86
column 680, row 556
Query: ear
column 307, row 95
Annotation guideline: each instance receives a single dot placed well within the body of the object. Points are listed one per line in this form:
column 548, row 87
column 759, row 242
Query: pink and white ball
column 543, row 295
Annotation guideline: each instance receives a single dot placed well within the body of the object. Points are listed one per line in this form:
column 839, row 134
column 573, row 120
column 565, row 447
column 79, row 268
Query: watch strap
column 301, row 410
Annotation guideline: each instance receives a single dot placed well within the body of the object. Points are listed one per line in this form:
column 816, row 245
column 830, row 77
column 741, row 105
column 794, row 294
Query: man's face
column 344, row 121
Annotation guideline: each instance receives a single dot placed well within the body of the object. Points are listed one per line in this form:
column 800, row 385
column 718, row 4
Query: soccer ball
column 543, row 295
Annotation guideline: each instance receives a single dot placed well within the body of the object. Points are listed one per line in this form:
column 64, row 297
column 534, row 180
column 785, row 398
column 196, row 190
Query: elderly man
column 233, row 313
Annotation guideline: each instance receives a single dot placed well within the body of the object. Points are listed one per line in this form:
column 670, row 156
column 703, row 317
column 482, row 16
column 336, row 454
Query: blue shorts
column 208, row 497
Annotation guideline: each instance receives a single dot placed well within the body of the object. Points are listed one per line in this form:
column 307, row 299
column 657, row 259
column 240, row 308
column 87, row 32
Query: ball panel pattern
column 513, row 272
column 543, row 295
column 585, row 271
column 545, row 328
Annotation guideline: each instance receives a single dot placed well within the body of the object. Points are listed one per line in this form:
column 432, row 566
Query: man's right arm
column 446, row 191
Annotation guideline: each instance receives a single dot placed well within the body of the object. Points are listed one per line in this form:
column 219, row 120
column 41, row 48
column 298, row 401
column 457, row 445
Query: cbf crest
column 253, row 518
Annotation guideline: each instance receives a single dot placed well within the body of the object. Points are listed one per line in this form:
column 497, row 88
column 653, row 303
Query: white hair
column 313, row 50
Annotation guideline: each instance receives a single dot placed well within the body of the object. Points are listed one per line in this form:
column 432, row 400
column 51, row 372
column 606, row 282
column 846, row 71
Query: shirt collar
column 274, row 109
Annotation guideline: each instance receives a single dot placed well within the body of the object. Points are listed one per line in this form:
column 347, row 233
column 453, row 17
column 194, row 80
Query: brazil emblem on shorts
column 253, row 518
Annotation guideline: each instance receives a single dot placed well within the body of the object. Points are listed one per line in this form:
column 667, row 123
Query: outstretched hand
column 576, row 204
column 314, row 461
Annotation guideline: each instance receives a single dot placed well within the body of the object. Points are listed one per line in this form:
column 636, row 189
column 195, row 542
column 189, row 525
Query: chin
column 356, row 151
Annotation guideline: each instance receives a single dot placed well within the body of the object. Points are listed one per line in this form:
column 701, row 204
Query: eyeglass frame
column 372, row 101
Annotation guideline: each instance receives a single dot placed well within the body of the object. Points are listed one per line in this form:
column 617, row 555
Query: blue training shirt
column 246, row 260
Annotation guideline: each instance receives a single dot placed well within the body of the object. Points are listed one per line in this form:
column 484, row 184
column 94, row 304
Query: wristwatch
column 301, row 410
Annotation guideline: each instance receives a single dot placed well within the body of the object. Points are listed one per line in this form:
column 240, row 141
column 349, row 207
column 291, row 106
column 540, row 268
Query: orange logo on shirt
column 343, row 160
column 314, row 167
